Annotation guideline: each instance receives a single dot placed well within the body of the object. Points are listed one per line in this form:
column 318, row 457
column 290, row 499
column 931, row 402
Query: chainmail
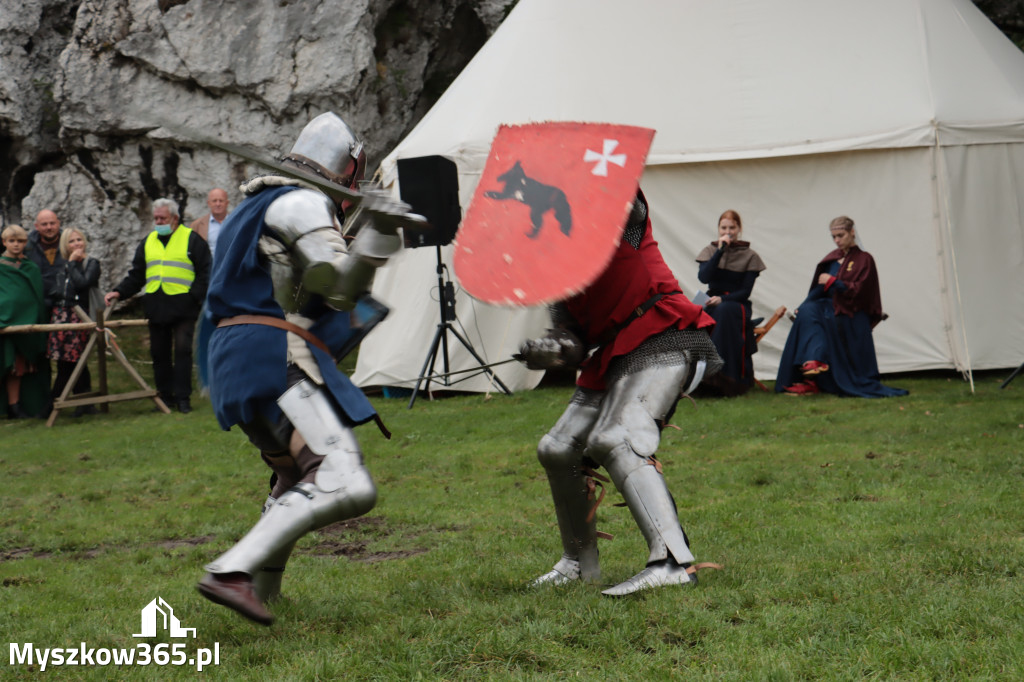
column 561, row 319
column 586, row 397
column 673, row 347
column 636, row 224
column 560, row 316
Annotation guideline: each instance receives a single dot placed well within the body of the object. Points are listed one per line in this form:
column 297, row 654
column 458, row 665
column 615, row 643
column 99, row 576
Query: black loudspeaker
column 430, row 184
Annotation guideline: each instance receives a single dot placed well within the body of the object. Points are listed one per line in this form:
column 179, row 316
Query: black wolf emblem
column 539, row 197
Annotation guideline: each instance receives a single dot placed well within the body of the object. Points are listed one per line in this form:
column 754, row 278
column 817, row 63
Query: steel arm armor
column 303, row 221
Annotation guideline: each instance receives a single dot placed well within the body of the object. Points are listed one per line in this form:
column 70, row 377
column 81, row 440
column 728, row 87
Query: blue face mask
column 164, row 230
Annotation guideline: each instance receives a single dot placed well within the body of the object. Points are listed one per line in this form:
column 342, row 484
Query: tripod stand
column 1011, row 377
column 446, row 298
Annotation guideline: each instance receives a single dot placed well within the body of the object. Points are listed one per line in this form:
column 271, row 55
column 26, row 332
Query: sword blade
column 410, row 222
column 332, row 189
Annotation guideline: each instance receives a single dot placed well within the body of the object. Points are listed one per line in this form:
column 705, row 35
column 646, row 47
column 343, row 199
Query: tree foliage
column 1008, row 15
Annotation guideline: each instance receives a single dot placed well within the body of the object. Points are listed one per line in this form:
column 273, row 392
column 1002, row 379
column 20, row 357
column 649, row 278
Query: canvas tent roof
column 907, row 115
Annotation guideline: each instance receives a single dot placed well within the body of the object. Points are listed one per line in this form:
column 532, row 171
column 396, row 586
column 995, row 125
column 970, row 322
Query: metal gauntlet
column 303, row 221
column 375, row 224
column 560, row 348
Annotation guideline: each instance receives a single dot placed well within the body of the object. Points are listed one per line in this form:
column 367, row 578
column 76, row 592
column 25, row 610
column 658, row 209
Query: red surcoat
column 632, row 277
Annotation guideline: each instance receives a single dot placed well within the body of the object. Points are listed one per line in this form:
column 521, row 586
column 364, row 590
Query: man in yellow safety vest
column 172, row 264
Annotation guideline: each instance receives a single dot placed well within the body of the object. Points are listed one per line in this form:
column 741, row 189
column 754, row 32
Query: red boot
column 812, row 367
column 805, row 388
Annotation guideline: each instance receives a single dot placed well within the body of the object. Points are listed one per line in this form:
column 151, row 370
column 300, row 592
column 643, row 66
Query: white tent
column 907, row 115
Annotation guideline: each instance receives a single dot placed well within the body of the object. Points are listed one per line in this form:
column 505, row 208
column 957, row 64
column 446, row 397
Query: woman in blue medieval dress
column 830, row 348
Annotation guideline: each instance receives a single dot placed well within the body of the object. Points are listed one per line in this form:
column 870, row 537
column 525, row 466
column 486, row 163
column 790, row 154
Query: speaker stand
column 1012, row 376
column 446, row 297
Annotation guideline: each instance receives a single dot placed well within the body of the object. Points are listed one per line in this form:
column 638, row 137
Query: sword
column 335, row 191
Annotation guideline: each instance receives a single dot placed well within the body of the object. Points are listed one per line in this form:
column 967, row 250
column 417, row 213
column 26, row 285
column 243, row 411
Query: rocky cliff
column 84, row 86
column 85, row 83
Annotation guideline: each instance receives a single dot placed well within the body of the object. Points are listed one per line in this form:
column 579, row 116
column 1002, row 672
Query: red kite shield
column 549, row 210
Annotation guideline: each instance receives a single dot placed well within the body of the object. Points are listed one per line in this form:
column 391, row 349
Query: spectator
column 173, row 264
column 208, row 227
column 44, row 250
column 830, row 343
column 729, row 267
column 81, row 274
column 23, row 363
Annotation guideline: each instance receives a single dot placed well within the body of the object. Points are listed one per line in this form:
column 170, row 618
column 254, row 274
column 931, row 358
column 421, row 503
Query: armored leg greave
column 624, row 441
column 650, row 503
column 335, row 484
column 267, row 581
column 561, row 454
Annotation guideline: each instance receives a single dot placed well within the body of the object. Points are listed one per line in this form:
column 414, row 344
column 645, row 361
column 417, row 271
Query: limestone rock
column 104, row 103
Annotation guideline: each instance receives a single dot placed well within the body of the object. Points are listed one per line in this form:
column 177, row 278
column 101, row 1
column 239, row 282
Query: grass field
column 860, row 539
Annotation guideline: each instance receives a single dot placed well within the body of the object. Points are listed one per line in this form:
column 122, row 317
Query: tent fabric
column 906, row 115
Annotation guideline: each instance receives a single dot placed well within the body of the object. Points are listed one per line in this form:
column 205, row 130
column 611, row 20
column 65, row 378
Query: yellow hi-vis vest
column 168, row 267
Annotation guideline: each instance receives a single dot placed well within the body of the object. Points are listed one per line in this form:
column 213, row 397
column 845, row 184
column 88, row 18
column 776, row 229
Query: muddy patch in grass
column 351, row 539
column 93, row 552
column 22, row 553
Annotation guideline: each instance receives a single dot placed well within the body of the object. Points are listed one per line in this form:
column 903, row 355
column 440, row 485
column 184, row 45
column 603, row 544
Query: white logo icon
column 605, row 157
column 159, row 610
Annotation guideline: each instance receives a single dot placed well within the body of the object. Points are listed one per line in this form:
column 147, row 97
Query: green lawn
column 860, row 539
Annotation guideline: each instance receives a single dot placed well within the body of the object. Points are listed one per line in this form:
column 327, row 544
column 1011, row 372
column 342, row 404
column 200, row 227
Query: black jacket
column 50, row 273
column 72, row 284
column 161, row 308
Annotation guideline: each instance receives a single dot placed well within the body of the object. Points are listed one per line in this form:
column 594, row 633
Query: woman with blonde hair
column 71, row 288
column 22, row 358
column 830, row 348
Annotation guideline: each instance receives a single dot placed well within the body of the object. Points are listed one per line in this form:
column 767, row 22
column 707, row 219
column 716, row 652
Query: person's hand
column 713, row 301
column 823, row 278
column 724, row 241
column 109, row 299
column 77, row 255
column 559, row 349
column 542, row 353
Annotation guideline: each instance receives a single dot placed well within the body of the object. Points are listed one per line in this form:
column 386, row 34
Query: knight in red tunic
column 648, row 345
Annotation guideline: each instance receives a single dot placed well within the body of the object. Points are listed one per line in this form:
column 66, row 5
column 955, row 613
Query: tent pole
column 942, row 182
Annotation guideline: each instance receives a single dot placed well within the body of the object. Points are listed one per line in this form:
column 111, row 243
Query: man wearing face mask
column 173, row 264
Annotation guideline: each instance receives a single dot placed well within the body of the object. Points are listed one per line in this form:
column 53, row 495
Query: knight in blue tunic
column 284, row 292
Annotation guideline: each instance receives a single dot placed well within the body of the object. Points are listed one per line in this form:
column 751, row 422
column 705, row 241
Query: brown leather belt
column 269, row 321
column 295, row 329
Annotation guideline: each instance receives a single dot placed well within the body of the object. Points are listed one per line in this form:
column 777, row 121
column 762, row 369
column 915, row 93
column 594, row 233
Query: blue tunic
column 843, row 342
column 248, row 363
